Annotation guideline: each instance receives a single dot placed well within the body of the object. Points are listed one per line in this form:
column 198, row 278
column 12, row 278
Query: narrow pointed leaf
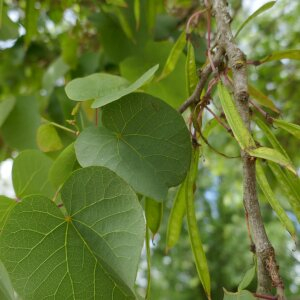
column 272, row 155
column 288, row 186
column 144, row 140
column 177, row 214
column 63, row 166
column 266, row 189
column 233, row 117
column 190, row 69
column 104, row 88
column 247, row 279
column 196, row 243
column 30, row 174
column 92, row 253
column 294, row 129
column 153, row 213
column 289, row 54
column 48, row 139
column 174, row 56
column 261, row 98
column 137, row 13
column 271, row 137
column 259, row 11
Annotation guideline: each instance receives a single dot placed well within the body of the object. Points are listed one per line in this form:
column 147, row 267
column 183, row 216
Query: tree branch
column 267, row 267
column 204, row 75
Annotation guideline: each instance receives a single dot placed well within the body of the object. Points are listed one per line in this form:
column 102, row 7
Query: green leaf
column 55, row 71
column 30, row 174
column 8, row 29
column 278, row 55
column 91, row 253
column 272, row 155
column 104, row 88
column 19, row 129
column 154, row 214
column 6, row 204
column 241, row 295
column 261, row 98
column 137, row 13
column 271, row 137
column 259, row 11
column 6, row 288
column 63, row 166
column 171, row 89
column 121, row 3
column 266, row 189
column 48, row 139
column 294, row 129
column 31, row 17
column 177, row 214
column 69, row 46
column 234, row 120
column 143, row 140
column 191, row 70
column 247, row 279
column 173, row 56
column 196, row 243
column 287, row 184
column 6, row 107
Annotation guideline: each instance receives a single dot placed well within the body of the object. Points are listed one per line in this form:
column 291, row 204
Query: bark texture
column 268, row 274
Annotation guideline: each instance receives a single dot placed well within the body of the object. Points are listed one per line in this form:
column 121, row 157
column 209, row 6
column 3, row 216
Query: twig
column 204, row 75
column 267, row 267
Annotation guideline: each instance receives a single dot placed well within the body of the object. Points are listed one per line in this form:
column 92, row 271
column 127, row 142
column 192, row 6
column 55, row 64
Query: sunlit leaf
column 261, row 98
column 190, row 69
column 153, row 213
column 173, row 56
column 105, row 88
column 30, row 174
column 48, row 139
column 267, row 190
column 259, row 11
column 144, row 140
column 272, row 155
column 233, row 117
column 294, row 129
column 247, row 279
column 91, row 252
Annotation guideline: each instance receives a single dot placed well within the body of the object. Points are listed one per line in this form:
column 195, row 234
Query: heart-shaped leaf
column 30, row 174
column 144, row 140
column 91, row 253
column 104, row 88
column 48, row 139
column 6, row 204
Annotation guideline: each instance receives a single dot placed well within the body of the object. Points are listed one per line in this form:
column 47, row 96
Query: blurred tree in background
column 67, row 39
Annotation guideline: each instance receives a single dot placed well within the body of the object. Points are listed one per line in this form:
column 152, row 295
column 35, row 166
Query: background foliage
column 70, row 39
